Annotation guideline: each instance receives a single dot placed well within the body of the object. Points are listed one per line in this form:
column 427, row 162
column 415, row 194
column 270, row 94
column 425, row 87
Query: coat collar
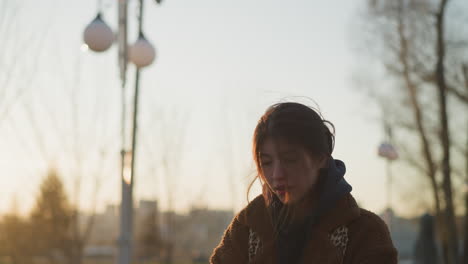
column 345, row 211
column 257, row 217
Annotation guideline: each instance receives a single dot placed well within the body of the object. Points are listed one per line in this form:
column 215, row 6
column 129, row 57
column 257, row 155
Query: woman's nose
column 278, row 172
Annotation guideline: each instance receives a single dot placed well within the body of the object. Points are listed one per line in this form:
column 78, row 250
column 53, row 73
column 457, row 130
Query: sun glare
column 84, row 48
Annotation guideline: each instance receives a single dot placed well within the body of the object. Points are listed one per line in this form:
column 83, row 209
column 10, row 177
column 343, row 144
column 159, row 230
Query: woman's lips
column 281, row 190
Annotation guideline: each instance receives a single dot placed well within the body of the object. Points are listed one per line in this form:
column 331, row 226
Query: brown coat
column 346, row 234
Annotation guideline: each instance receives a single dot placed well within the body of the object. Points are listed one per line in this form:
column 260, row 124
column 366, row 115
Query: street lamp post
column 98, row 36
column 388, row 152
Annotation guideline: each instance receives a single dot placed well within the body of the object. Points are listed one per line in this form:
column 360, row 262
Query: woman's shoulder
column 369, row 221
column 254, row 210
column 370, row 231
column 244, row 236
column 347, row 212
column 370, row 238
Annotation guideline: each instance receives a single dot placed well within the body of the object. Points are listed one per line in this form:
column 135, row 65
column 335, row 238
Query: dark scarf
column 292, row 240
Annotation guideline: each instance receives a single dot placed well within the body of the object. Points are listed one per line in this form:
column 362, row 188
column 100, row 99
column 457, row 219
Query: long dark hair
column 297, row 124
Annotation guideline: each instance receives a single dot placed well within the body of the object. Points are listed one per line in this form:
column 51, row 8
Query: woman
column 306, row 213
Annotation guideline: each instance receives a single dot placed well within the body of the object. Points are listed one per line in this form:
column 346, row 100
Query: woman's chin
column 286, row 198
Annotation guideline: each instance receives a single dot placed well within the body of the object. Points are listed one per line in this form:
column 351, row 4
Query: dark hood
column 334, row 185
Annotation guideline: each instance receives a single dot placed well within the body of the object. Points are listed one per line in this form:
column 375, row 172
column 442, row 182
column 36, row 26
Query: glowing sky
column 220, row 63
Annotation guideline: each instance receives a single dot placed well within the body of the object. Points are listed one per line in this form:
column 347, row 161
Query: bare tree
column 445, row 134
column 165, row 145
column 19, row 59
column 465, row 224
column 86, row 144
column 15, row 237
column 415, row 50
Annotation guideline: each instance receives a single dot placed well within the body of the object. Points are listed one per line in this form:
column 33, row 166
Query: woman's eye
column 266, row 163
column 290, row 159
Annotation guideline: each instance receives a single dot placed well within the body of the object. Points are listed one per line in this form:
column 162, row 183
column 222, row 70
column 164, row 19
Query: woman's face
column 288, row 169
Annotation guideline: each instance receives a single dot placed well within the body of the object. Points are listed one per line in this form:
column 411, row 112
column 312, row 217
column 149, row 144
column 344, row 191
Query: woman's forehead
column 277, row 145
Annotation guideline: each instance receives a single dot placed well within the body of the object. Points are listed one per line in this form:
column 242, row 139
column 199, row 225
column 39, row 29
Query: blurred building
column 195, row 234
column 105, row 230
column 105, row 226
column 404, row 233
column 146, row 208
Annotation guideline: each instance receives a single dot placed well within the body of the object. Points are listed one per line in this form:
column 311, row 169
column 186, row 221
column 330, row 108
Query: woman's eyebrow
column 288, row 152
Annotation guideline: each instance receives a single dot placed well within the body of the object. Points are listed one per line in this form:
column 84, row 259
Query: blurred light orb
column 142, row 53
column 386, row 150
column 98, row 36
column 84, row 47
